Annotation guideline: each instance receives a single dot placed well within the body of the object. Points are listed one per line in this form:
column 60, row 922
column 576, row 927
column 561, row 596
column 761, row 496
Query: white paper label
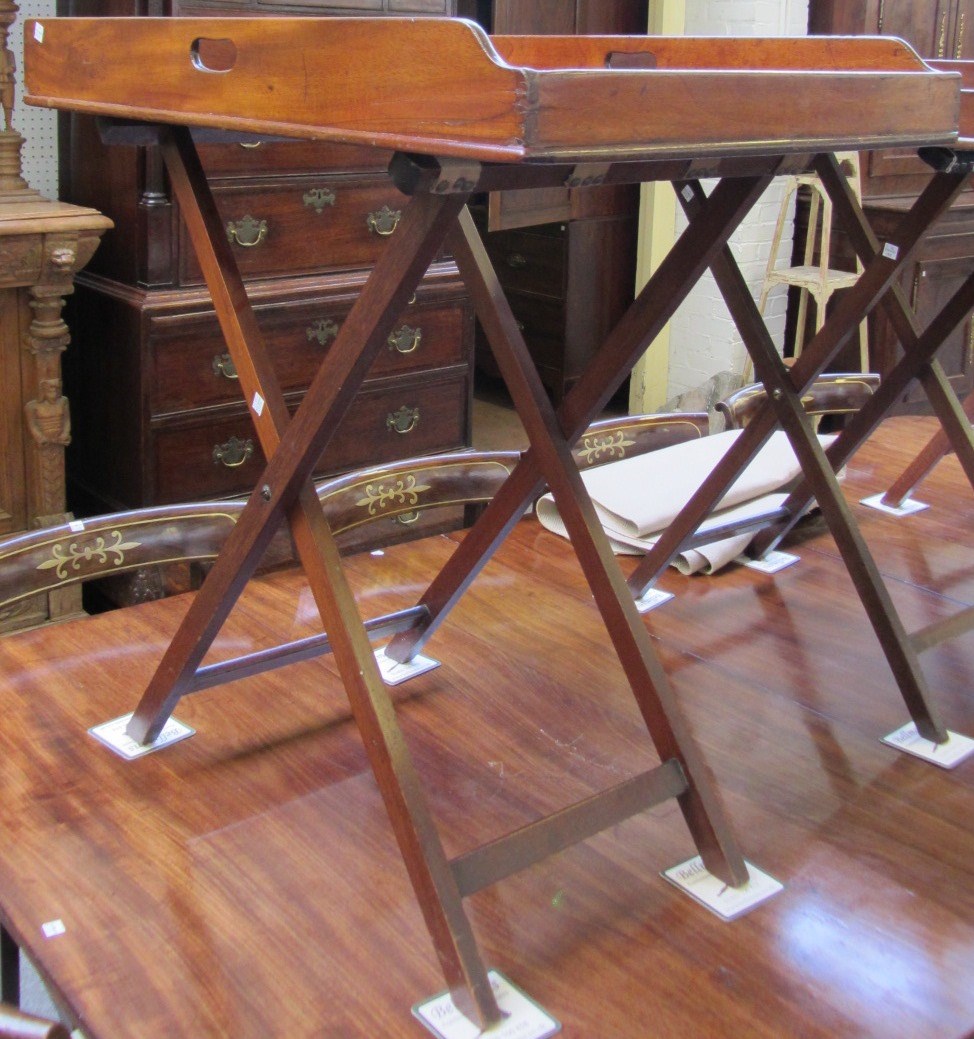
column 76, row 526
column 772, row 562
column 906, row 507
column 38, row 32
column 948, row 754
column 53, row 928
column 113, row 735
column 258, row 405
column 394, row 673
column 699, row 883
column 651, row 599
column 523, row 1018
column 890, row 251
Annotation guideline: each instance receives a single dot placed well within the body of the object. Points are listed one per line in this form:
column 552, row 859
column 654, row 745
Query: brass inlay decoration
column 247, row 232
column 324, row 330
column 405, row 420
column 318, row 198
column 223, row 365
column 959, row 49
column 75, row 553
column 613, row 445
column 405, row 340
column 405, row 491
column 233, row 453
column 384, row 221
column 942, row 37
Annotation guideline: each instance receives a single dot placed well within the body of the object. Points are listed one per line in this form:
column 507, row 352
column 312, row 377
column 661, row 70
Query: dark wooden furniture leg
column 929, row 455
column 730, row 202
column 552, row 450
column 295, row 447
column 9, row 969
column 784, row 405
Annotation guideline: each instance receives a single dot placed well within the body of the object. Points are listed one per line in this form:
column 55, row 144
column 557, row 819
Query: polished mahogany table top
column 245, row 882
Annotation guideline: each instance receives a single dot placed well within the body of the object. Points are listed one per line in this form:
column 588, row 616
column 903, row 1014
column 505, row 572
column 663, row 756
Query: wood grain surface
column 245, row 882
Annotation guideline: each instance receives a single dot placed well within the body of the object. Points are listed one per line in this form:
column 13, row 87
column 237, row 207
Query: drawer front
column 529, row 262
column 222, row 458
column 259, row 158
column 190, row 366
column 305, row 226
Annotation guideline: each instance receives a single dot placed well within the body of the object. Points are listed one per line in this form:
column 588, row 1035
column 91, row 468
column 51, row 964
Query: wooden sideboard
column 892, row 179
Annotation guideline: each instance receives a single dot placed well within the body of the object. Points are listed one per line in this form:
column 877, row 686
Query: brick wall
column 703, row 339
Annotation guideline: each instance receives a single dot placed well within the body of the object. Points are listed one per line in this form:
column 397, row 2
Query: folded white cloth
column 637, row 498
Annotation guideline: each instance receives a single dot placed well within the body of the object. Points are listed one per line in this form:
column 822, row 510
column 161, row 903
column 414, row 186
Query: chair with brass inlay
column 838, row 393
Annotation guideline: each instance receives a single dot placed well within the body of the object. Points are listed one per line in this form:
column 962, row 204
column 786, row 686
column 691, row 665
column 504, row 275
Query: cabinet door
column 926, row 25
column 935, row 28
column 934, row 282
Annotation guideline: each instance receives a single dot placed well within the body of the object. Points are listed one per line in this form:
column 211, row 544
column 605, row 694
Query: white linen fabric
column 637, row 498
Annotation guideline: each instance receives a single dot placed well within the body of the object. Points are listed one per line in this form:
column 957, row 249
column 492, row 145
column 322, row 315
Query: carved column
column 43, row 244
column 47, row 412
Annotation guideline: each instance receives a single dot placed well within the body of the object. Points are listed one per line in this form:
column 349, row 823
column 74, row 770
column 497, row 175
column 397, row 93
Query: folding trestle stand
column 876, row 286
column 436, row 216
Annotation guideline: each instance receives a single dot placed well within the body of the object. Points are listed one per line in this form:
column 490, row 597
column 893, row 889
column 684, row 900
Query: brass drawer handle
column 403, row 421
column 517, row 261
column 384, row 221
column 247, row 232
column 233, row 453
column 250, row 144
column 323, row 330
column 404, row 519
column 223, row 365
column 318, row 198
column 405, row 340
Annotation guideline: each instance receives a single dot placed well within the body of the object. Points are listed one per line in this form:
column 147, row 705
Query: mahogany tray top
column 441, row 86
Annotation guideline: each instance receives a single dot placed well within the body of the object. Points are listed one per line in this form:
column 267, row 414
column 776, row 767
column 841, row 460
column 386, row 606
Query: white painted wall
column 703, row 339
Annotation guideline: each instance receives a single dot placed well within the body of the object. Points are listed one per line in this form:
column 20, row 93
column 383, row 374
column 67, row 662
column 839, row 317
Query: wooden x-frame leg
column 285, row 491
column 783, row 406
column 926, row 459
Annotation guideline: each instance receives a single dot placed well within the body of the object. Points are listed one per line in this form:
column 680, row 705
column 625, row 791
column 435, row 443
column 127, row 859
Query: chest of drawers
column 157, row 414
